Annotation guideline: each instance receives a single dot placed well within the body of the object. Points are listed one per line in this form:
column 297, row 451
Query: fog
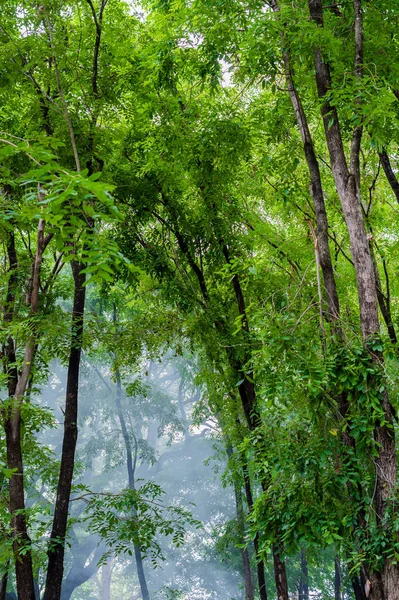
column 173, row 447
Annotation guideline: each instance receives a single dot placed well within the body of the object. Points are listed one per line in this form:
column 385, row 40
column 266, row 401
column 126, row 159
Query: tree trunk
column 56, row 549
column 22, row 542
column 246, row 388
column 384, row 300
column 260, row 567
column 347, row 183
column 131, row 467
column 280, row 575
column 347, row 188
column 358, row 589
column 316, row 188
column 304, row 578
column 246, row 564
column 337, row 579
column 17, row 384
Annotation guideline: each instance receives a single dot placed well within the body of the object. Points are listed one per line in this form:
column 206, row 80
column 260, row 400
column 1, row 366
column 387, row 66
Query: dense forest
column 199, row 299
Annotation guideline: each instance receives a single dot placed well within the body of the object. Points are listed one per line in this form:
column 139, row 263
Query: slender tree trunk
column 17, row 385
column 247, row 574
column 384, row 301
column 304, row 578
column 358, row 589
column 260, row 566
column 247, row 393
column 337, row 579
column 23, row 565
column 316, row 188
column 22, row 542
column 280, row 574
column 246, row 564
column 347, row 188
column 131, row 467
column 56, row 550
column 246, row 388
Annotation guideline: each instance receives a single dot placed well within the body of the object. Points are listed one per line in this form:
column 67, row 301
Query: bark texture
column 280, row 575
column 56, row 550
column 17, row 386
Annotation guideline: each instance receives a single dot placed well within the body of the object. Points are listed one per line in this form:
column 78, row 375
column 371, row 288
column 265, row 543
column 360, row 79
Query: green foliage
column 190, row 218
column 135, row 518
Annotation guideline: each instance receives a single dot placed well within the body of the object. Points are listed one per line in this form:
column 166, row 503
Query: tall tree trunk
column 384, row 300
column 12, row 425
column 56, row 549
column 131, row 467
column 316, row 188
column 247, row 393
column 303, row 592
column 17, row 385
column 22, row 542
column 246, row 564
column 347, row 182
column 246, row 388
column 260, row 566
column 280, row 574
column 337, row 579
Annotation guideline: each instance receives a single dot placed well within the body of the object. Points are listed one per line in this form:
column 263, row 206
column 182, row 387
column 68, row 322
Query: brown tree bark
column 17, row 385
column 56, row 550
column 358, row 589
column 12, row 426
column 280, row 574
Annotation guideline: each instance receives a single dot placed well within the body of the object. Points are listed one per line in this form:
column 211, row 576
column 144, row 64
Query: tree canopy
column 199, row 258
